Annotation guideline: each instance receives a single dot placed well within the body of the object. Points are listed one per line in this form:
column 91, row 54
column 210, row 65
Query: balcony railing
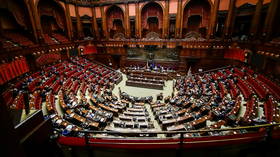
column 131, row 139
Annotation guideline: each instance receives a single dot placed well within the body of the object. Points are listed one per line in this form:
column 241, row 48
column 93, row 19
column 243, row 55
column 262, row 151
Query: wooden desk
column 144, row 84
column 132, row 118
column 106, row 114
column 163, row 75
column 136, row 109
column 146, row 80
column 236, row 107
column 135, row 113
column 157, row 105
column 82, row 120
column 147, row 76
column 50, row 103
column 117, row 106
column 108, row 108
column 61, row 100
column 139, row 103
column 177, row 120
column 201, row 122
column 132, row 124
column 180, row 127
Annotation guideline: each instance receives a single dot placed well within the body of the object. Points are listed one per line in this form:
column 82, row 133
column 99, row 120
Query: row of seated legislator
column 225, row 100
column 96, row 112
column 95, row 109
column 200, row 99
column 213, row 98
column 68, row 75
column 135, row 117
column 83, row 113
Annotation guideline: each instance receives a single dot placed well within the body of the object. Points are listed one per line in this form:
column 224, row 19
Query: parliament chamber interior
column 85, row 78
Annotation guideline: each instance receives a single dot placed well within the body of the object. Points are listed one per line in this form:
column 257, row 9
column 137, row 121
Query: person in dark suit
column 26, row 102
column 160, row 96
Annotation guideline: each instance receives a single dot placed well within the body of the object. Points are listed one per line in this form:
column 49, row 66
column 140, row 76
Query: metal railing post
column 269, row 133
column 89, row 148
column 181, row 143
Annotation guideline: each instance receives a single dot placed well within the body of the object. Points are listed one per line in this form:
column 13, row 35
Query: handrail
column 183, row 132
column 181, row 142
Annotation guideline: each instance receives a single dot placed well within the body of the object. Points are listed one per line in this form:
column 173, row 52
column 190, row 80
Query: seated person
column 160, row 96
